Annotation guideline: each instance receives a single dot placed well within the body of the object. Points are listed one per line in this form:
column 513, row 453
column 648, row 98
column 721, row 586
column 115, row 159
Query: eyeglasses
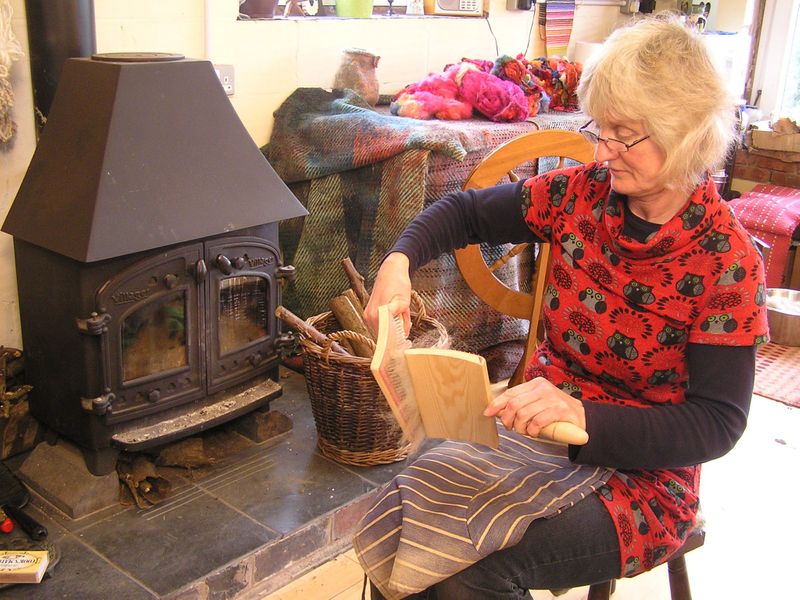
column 613, row 144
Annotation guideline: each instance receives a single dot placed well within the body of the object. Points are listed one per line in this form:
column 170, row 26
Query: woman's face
column 635, row 171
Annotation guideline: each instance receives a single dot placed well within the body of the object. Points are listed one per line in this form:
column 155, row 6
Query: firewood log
column 356, row 281
column 351, row 319
column 311, row 332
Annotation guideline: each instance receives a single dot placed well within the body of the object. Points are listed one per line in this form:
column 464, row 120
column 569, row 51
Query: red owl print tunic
column 619, row 314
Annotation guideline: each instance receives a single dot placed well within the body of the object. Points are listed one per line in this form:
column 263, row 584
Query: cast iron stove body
column 146, row 247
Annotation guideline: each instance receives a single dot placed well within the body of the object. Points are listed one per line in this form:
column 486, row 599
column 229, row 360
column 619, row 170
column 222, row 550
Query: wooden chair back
column 493, row 169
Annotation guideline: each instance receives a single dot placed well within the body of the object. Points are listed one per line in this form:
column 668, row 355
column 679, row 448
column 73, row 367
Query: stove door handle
column 224, row 264
column 200, row 271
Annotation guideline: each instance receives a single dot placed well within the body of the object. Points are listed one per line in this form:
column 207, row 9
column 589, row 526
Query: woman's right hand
column 393, row 287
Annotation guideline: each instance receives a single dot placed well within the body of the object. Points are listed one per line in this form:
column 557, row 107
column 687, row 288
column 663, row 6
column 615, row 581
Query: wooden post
column 309, row 331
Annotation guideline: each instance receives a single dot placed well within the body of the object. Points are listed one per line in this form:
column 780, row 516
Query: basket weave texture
column 354, row 422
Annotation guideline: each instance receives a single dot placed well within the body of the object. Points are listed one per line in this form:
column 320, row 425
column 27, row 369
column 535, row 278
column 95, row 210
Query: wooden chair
column 494, row 168
column 676, row 569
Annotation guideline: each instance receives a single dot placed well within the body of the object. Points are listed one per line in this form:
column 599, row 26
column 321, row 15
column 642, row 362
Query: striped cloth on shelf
column 772, row 214
column 555, row 25
column 459, row 502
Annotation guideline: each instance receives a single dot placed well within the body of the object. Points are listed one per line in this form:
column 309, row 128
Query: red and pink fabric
column 772, row 214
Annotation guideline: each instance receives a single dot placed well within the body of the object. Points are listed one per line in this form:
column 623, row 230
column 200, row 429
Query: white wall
column 271, row 59
column 13, row 163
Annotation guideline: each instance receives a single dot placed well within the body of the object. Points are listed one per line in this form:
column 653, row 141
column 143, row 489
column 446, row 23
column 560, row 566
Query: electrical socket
column 225, row 74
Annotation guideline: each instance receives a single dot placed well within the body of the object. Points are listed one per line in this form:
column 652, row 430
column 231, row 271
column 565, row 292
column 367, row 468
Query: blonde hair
column 659, row 72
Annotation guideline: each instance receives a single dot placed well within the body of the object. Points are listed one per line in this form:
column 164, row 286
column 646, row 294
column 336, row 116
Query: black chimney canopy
column 142, row 151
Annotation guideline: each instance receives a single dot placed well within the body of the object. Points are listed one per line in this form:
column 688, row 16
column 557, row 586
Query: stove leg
column 50, row 436
column 101, row 461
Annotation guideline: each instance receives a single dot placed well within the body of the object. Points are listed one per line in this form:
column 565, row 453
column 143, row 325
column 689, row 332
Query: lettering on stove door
column 128, row 296
column 260, row 261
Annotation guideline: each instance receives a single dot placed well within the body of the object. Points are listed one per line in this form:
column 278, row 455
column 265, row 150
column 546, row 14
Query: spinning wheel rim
column 492, row 169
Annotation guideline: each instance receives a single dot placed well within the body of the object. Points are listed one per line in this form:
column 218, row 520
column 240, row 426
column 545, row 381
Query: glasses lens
column 589, row 135
column 616, row 145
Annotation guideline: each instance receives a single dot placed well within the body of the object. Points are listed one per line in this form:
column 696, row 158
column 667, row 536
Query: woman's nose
column 603, row 153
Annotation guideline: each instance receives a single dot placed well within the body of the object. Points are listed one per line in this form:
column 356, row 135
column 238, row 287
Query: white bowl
column 783, row 312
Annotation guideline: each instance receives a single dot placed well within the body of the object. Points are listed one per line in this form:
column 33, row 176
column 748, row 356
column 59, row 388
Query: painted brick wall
column 768, row 166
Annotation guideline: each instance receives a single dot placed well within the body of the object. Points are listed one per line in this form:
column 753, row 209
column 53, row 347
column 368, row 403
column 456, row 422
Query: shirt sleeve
column 705, row 426
column 490, row 215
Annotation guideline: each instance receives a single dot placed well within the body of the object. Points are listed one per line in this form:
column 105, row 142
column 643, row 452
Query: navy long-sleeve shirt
column 703, row 427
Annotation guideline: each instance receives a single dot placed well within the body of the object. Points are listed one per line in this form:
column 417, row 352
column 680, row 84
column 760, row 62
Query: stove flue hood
column 142, row 151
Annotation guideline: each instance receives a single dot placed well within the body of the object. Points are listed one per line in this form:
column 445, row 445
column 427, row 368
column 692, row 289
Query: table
column 363, row 174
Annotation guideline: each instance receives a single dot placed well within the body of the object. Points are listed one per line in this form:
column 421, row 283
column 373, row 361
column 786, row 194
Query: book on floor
column 22, row 566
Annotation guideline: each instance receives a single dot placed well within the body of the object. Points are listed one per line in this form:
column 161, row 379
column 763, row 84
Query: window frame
column 779, row 24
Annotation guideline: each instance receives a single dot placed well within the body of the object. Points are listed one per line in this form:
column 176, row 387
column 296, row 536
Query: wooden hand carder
column 442, row 393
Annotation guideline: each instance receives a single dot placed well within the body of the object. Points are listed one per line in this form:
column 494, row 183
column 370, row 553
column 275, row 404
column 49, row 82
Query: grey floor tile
column 288, row 486
column 80, row 574
column 177, row 542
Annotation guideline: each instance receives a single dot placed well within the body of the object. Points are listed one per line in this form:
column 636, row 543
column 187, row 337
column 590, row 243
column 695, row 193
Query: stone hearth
column 246, row 525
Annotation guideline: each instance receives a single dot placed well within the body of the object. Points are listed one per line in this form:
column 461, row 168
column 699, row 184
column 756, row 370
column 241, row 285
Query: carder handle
column 558, row 431
column 564, row 432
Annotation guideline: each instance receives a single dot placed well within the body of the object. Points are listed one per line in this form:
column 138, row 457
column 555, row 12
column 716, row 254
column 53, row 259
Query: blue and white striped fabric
column 459, row 502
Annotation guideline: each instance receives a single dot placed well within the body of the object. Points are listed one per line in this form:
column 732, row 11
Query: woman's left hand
column 529, row 406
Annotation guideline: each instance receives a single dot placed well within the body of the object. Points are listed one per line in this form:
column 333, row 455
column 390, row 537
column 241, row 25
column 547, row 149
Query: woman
column 653, row 311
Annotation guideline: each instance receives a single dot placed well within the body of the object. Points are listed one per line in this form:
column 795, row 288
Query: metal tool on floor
column 13, row 497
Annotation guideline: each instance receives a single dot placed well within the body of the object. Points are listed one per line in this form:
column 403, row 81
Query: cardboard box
column 761, row 136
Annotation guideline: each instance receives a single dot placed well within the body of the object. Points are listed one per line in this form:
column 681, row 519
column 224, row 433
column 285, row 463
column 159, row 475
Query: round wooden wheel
column 480, row 277
column 496, row 165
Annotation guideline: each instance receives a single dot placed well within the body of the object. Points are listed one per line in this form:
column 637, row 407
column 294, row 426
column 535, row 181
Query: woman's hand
column 393, row 287
column 529, row 406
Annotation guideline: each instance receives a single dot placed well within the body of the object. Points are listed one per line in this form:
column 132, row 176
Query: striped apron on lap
column 459, row 502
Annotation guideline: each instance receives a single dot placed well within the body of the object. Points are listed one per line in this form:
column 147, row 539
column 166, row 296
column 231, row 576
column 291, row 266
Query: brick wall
column 767, row 166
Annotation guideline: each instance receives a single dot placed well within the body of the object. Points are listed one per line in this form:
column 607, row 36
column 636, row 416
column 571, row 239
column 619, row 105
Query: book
column 442, row 393
column 23, row 566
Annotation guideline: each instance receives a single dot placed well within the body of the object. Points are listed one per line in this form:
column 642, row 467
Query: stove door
column 152, row 350
column 243, row 295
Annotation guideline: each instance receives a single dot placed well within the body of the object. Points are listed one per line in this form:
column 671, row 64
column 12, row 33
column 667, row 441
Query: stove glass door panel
column 242, row 296
column 154, row 338
column 153, row 358
column 242, row 312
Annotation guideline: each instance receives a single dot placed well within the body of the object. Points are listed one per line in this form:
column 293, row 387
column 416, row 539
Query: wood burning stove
column 145, row 236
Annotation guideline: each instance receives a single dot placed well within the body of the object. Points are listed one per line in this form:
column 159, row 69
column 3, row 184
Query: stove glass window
column 242, row 312
column 154, row 338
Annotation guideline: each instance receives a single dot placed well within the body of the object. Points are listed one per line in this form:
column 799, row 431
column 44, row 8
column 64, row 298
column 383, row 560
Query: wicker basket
column 354, row 422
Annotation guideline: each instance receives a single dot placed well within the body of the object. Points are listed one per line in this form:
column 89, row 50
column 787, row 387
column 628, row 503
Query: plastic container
column 357, row 9
column 783, row 312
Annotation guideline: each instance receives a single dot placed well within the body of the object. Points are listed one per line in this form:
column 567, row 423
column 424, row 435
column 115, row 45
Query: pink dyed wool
column 458, row 91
